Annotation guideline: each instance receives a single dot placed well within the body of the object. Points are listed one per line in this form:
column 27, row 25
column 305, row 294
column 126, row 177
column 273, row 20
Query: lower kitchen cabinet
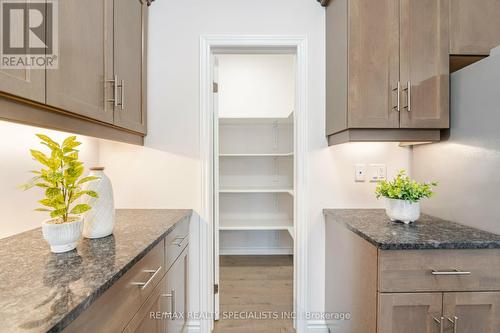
column 462, row 312
column 177, row 293
column 151, row 316
column 165, row 310
column 399, row 290
column 151, row 297
column 475, row 312
column 409, row 312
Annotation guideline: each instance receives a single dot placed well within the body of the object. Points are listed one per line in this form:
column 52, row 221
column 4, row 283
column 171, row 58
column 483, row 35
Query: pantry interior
column 254, row 180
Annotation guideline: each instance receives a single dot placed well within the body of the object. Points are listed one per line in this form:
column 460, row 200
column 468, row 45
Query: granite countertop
column 43, row 292
column 426, row 233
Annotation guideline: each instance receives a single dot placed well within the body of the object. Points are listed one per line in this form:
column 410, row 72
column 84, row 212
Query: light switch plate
column 359, row 172
column 378, row 172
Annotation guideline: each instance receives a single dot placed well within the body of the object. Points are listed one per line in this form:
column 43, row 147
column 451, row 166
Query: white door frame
column 207, row 45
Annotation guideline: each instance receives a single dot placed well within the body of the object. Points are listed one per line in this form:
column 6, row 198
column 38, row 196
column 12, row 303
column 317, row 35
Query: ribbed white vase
column 100, row 220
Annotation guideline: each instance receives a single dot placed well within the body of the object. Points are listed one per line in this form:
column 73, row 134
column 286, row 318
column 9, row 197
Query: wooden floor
column 255, row 286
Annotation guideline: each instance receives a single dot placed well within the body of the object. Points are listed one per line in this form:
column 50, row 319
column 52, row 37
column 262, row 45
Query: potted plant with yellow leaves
column 403, row 197
column 61, row 178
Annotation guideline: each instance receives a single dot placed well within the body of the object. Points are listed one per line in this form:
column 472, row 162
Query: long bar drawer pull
column 144, row 285
column 452, row 272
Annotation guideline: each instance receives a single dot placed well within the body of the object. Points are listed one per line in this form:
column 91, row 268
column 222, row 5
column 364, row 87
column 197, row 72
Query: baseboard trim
column 236, row 251
column 317, row 326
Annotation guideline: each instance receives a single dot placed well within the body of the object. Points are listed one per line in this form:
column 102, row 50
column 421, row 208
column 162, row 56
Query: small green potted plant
column 61, row 178
column 403, row 197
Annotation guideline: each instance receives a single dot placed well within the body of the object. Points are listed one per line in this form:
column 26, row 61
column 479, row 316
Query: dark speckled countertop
column 44, row 292
column 427, row 233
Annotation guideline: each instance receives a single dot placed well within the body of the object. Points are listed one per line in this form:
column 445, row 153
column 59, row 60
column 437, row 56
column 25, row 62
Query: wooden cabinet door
column 130, row 23
column 474, row 312
column 85, row 60
column 409, row 313
column 25, row 83
column 424, row 57
column 177, row 287
column 373, row 63
column 152, row 316
column 474, row 26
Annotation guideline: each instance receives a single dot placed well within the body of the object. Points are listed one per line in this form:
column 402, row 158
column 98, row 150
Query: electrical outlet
column 378, row 172
column 359, row 172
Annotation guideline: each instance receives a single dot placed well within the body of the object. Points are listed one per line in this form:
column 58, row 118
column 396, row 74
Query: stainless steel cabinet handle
column 408, row 93
column 114, row 100
column 179, row 240
column 398, row 91
column 440, row 322
column 454, row 321
column 122, row 95
column 144, row 285
column 452, row 272
column 171, row 295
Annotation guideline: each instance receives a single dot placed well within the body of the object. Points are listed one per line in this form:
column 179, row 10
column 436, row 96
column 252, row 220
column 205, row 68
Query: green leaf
column 404, row 188
column 69, row 140
column 58, row 212
column 87, row 179
column 51, row 192
column 51, row 143
column 69, row 144
column 42, row 210
column 48, row 203
column 79, row 209
column 40, row 157
column 92, row 194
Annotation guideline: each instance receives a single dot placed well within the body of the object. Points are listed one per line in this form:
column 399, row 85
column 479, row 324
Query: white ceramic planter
column 100, row 220
column 402, row 210
column 64, row 236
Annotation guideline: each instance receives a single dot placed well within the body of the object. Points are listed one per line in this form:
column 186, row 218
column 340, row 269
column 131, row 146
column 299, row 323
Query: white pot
column 402, row 210
column 100, row 220
column 62, row 237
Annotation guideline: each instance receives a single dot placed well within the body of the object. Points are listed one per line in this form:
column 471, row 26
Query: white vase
column 62, row 237
column 100, row 220
column 402, row 210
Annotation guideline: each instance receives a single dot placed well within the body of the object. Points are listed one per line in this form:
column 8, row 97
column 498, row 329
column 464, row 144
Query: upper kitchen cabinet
column 387, row 70
column 474, row 26
column 23, row 82
column 130, row 23
column 98, row 87
column 424, row 63
column 85, row 60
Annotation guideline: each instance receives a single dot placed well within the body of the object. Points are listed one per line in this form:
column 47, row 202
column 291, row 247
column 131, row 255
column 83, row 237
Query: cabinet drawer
column 439, row 270
column 113, row 310
column 176, row 241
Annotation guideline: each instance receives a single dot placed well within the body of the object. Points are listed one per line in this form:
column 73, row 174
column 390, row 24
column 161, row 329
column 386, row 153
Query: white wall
column 173, row 115
column 17, row 205
column 166, row 172
column 143, row 177
column 467, row 165
column 257, row 85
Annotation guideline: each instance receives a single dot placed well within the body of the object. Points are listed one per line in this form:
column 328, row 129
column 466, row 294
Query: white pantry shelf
column 256, row 121
column 257, row 225
column 259, row 189
column 256, row 154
